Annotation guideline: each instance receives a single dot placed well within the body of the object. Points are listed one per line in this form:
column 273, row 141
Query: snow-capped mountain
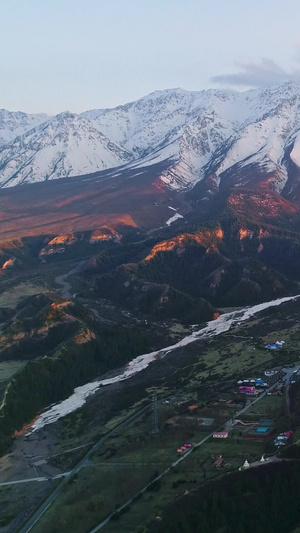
column 65, row 145
column 200, row 134
column 17, row 123
column 263, row 141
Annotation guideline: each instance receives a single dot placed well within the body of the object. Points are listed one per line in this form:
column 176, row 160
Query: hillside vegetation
column 262, row 499
column 65, row 346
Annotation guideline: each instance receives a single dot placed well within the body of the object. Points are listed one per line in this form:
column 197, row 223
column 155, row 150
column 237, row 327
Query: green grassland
column 268, row 406
column 16, row 500
column 12, row 296
column 91, row 496
column 242, row 352
column 7, row 370
column 134, row 455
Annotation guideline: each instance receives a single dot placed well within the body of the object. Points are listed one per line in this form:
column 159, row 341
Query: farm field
column 135, row 455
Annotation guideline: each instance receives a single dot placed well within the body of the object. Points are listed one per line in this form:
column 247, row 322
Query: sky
column 76, row 55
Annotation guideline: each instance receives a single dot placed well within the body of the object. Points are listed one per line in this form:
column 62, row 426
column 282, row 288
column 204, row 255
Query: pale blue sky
column 84, row 54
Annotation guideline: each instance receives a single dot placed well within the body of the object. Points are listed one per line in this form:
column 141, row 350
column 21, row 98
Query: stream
column 215, row 327
column 65, row 289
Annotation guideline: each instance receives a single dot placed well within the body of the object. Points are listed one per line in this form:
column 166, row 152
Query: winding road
column 65, row 290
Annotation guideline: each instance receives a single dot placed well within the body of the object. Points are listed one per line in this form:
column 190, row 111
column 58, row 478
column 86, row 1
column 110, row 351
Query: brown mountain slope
column 136, row 199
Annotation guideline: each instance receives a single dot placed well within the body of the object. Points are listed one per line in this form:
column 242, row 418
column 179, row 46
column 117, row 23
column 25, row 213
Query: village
column 225, row 410
column 242, row 424
column 176, row 439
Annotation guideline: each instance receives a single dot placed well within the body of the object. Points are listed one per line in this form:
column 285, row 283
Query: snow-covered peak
column 263, row 142
column 144, row 125
column 197, row 132
column 65, row 145
column 14, row 123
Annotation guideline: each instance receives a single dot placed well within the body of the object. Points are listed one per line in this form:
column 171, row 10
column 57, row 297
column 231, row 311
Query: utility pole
column 154, row 413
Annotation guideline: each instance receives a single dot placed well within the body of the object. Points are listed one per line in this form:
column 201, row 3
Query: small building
column 275, row 346
column 248, row 390
column 273, row 391
column 184, row 448
column 220, row 435
column 193, row 407
column 282, row 439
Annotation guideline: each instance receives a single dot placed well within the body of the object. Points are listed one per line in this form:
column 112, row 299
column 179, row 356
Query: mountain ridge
column 199, row 132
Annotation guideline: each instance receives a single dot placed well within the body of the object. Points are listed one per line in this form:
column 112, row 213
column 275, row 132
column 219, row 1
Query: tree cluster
column 264, row 499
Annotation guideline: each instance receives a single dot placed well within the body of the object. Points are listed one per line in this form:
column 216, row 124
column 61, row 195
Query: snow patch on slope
column 173, row 219
column 295, row 153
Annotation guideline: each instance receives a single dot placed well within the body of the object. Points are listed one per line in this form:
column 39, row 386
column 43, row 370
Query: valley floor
column 135, row 451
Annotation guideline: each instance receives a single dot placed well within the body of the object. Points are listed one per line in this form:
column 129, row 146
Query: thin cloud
column 267, row 72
